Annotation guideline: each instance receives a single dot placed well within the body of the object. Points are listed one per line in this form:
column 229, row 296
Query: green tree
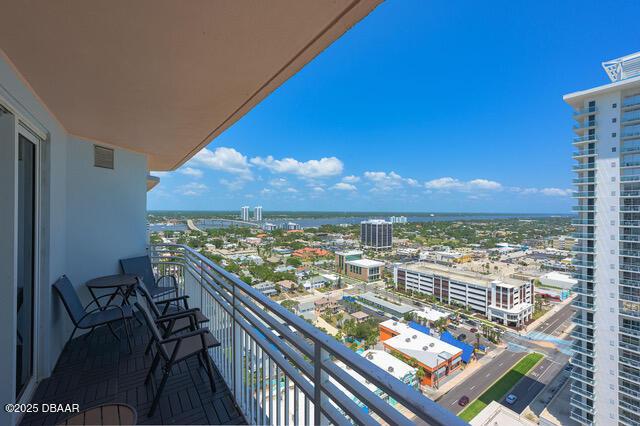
column 294, row 261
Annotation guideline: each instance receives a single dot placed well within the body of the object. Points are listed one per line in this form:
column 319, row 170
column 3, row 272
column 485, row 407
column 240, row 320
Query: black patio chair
column 173, row 318
column 90, row 319
column 141, row 266
column 174, row 349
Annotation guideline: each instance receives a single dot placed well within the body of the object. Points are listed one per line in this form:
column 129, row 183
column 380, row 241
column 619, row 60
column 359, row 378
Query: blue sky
column 422, row 106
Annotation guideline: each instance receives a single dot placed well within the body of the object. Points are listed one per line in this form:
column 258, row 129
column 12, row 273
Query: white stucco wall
column 90, row 218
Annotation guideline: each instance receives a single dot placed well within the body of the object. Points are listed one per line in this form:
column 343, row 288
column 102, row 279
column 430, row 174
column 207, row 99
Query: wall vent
column 103, row 157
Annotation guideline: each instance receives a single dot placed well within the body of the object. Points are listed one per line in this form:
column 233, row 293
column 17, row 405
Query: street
column 529, row 386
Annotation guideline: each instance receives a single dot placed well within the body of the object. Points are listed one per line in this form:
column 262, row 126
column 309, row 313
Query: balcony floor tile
column 100, row 370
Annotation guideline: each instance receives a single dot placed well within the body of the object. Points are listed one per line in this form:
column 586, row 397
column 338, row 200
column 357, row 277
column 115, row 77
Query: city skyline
column 323, row 137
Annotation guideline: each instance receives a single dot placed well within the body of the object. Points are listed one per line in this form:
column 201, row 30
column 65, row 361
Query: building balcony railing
column 585, row 166
column 583, row 235
column 629, row 297
column 629, row 237
column 630, row 253
column 629, row 267
column 585, row 180
column 629, row 282
column 632, row 223
column 586, row 110
column 582, row 249
column 577, row 347
column 582, row 376
column 634, row 347
column 634, row 313
column 584, row 322
column 628, row 149
column 628, row 421
column 630, row 208
column 635, row 378
column 583, row 336
column 259, row 345
column 632, row 331
column 630, row 117
column 581, row 405
column 583, row 305
column 630, row 134
column 583, row 263
column 633, row 193
column 576, row 414
column 585, row 125
column 629, row 361
column 584, row 139
column 631, row 101
column 632, row 391
column 575, row 388
column 584, row 153
column 582, row 364
column 584, row 208
column 583, row 290
column 583, row 194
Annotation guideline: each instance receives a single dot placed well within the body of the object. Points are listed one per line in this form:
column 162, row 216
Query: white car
column 511, row 399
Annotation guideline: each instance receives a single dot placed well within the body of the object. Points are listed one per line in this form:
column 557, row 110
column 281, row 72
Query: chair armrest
column 167, row 302
column 177, row 315
column 186, row 335
column 102, row 308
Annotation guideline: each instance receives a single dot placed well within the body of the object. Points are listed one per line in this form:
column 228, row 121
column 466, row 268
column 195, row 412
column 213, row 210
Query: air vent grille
column 103, row 157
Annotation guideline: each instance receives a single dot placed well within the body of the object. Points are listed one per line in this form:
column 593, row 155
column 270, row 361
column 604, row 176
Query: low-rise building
column 317, row 281
column 437, row 358
column 342, row 257
column 267, row 288
column 365, row 269
column 327, row 304
column 504, row 300
column 497, row 414
column 287, row 285
column 360, row 316
column 374, row 302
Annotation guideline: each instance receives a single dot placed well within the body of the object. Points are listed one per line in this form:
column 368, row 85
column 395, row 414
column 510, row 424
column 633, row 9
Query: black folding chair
column 141, row 266
column 173, row 318
column 98, row 316
column 174, row 349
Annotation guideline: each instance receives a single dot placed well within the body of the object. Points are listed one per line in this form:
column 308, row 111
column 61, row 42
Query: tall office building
column 606, row 361
column 244, row 213
column 398, row 219
column 376, row 234
column 257, row 213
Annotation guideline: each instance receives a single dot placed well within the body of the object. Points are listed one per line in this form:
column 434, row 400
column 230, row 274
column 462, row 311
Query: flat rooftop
column 497, row 414
column 365, row 263
column 425, row 349
column 389, row 363
column 460, row 275
column 349, row 252
column 401, row 308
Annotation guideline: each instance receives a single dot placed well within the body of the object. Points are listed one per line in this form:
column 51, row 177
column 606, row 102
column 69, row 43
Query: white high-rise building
column 244, row 213
column 398, row 219
column 606, row 361
column 257, row 213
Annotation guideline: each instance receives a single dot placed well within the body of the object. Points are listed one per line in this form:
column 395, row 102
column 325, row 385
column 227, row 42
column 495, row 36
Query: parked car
column 462, row 337
column 474, row 330
column 511, row 399
column 464, row 400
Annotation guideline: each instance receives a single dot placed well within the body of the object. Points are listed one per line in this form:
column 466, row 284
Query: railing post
column 319, row 378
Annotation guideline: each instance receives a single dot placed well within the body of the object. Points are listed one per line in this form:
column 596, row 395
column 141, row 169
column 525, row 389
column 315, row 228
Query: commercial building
column 376, row 234
column 290, row 226
column 503, row 300
column 257, row 213
column 497, row 414
column 373, row 301
column 269, row 226
column 606, row 360
column 342, row 257
column 437, row 358
column 244, row 213
column 563, row 242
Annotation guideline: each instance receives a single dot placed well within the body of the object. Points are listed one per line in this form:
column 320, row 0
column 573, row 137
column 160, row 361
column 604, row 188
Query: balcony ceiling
column 164, row 77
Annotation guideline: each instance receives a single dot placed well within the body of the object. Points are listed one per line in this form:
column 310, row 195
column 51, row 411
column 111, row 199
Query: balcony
column 584, row 194
column 582, row 249
column 585, row 180
column 584, row 139
column 583, row 322
column 631, row 223
column 630, row 149
column 589, row 124
column 582, row 364
column 629, row 237
column 631, row 101
column 583, row 305
column 583, row 235
column 582, row 377
column 581, row 405
column 634, row 193
column 99, row 370
column 630, row 117
column 582, row 277
column 630, row 282
column 576, row 414
column 631, row 331
column 583, row 263
column 577, row 347
column 584, row 208
column 629, row 297
column 581, row 391
column 630, row 208
column 629, row 376
column 584, row 153
column 630, row 133
column 586, row 110
column 583, row 290
column 629, row 267
column 634, row 347
column 629, row 361
column 630, row 253
column 585, row 166
column 583, row 336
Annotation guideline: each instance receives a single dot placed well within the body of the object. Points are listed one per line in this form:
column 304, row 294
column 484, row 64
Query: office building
column 376, row 234
column 269, row 226
column 291, row 226
column 504, row 300
column 606, row 360
column 257, row 213
column 244, row 213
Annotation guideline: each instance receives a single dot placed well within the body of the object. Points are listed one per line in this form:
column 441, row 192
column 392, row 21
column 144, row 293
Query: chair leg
column 207, row 363
column 148, row 348
column 113, row 332
column 152, row 369
column 127, row 325
column 165, row 376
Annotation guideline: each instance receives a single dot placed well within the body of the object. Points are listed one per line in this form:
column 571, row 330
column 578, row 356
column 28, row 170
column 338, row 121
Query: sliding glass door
column 27, row 173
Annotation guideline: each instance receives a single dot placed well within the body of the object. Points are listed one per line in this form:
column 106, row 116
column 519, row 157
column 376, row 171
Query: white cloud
column 291, row 190
column 278, row 183
column 555, row 192
column 324, row 167
column 351, row 179
column 190, row 171
column 192, row 189
column 343, row 186
column 233, row 184
column 317, row 189
column 224, row 159
column 449, row 183
column 388, row 181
